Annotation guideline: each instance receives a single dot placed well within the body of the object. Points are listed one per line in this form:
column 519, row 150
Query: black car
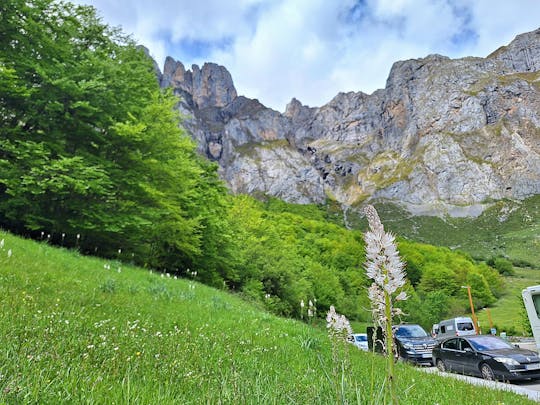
column 487, row 356
column 414, row 344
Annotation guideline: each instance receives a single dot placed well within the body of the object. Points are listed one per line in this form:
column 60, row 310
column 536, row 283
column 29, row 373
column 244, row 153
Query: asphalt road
column 531, row 389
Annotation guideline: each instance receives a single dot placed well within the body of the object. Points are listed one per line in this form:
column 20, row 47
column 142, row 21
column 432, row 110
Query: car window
column 451, row 344
column 361, row 338
column 489, row 343
column 465, row 345
column 465, row 326
column 410, row 331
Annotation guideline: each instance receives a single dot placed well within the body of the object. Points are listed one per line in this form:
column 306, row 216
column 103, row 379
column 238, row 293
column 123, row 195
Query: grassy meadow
column 84, row 330
column 507, row 228
column 506, row 312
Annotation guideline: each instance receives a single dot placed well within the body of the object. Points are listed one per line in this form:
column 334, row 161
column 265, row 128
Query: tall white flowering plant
column 385, row 267
column 339, row 330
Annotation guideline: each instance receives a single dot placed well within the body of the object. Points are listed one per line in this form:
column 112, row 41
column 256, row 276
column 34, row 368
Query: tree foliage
column 90, row 145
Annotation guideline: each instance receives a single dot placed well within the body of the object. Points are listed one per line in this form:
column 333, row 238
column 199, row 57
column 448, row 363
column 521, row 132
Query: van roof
column 458, row 318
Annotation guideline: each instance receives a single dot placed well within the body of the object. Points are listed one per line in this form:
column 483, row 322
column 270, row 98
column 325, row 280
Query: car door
column 449, row 350
column 459, row 357
column 468, row 357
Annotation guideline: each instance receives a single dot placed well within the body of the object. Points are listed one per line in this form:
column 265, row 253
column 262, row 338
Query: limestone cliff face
column 444, row 136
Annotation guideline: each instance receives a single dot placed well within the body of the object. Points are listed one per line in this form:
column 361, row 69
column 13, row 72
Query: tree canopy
column 90, row 145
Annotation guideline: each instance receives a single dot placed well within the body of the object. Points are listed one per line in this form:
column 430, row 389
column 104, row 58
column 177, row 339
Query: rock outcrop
column 444, row 137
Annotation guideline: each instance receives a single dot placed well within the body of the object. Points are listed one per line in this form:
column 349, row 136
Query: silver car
column 360, row 340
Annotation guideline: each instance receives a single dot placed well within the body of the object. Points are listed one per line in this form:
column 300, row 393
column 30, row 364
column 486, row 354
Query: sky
column 313, row 49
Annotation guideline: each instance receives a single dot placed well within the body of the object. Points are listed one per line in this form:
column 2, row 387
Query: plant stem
column 390, row 347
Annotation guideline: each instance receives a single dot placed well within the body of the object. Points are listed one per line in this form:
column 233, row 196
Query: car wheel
column 487, row 372
column 441, row 365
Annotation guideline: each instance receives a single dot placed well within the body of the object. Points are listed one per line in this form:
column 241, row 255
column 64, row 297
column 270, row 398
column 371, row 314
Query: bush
column 503, row 266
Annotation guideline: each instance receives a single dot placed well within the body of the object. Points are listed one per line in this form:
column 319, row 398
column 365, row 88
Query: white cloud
column 313, row 49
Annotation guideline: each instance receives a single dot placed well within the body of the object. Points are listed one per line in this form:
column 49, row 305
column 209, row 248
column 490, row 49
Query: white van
column 462, row 326
column 531, row 299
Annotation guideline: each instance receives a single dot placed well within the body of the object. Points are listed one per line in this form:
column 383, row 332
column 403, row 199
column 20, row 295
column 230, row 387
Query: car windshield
column 361, row 338
column 489, row 343
column 465, row 326
column 410, row 331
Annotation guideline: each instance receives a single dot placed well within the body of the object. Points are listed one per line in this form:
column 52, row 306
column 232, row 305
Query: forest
column 93, row 157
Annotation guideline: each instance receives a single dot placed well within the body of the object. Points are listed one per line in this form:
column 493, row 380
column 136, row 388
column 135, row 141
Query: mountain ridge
column 444, row 137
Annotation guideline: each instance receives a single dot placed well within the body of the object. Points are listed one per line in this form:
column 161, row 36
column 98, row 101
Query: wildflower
column 337, row 325
column 2, row 244
column 312, row 310
column 9, row 253
column 385, row 268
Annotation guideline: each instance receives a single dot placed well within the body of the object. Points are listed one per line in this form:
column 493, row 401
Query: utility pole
column 489, row 318
column 475, row 321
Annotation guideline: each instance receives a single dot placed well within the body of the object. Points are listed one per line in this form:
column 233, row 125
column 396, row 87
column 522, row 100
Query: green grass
column 81, row 330
column 507, row 228
column 506, row 313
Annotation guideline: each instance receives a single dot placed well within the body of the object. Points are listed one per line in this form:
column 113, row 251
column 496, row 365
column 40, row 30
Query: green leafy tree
column 90, row 145
column 480, row 291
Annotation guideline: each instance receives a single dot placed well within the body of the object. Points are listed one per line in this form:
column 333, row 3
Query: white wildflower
column 2, row 244
column 384, row 266
column 9, row 252
column 337, row 325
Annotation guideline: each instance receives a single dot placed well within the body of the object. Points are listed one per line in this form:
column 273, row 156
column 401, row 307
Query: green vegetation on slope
column 508, row 228
column 84, row 330
column 508, row 314
column 288, row 253
column 90, row 145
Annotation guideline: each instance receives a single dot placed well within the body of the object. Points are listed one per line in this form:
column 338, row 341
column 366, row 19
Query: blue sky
column 313, row 49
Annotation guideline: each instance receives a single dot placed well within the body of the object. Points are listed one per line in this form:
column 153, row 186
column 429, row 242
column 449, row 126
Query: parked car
column 360, row 340
column 486, row 356
column 414, row 344
column 461, row 326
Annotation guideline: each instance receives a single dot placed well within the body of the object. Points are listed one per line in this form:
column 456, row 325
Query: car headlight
column 507, row 361
column 407, row 346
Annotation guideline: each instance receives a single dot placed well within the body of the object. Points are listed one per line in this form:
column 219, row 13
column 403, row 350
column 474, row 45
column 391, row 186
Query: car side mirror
column 468, row 350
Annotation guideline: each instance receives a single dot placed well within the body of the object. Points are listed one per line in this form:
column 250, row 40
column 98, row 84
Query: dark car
column 414, row 344
column 487, row 356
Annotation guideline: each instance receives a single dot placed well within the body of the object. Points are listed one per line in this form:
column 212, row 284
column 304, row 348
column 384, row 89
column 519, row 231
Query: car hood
column 521, row 355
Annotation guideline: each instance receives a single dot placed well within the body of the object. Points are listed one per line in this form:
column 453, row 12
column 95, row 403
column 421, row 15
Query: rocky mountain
column 445, row 136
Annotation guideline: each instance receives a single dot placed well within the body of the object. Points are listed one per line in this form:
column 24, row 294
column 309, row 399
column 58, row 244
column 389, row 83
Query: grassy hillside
column 507, row 228
column 506, row 312
column 82, row 330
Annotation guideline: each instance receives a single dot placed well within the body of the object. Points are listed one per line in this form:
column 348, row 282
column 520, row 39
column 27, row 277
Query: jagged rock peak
column 522, row 54
column 296, row 110
column 209, row 86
